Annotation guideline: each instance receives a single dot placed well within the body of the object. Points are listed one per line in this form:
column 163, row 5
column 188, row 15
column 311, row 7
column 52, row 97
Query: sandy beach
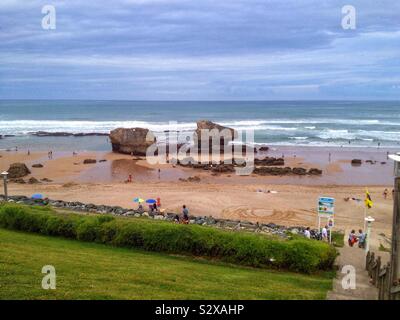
column 292, row 202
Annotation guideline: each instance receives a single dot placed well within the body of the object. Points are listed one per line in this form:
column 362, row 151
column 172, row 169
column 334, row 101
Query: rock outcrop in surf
column 134, row 141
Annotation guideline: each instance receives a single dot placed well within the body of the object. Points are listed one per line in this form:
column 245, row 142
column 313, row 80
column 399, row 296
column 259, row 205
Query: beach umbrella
column 138, row 200
column 37, row 196
column 151, row 201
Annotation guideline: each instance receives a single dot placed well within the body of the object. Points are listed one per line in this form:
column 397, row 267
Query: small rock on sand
column 89, row 161
column 33, row 180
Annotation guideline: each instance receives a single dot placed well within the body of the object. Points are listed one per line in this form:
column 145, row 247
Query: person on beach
column 385, row 193
column 140, row 207
column 361, row 239
column 352, row 238
column 159, row 174
column 29, row 152
column 307, row 233
column 324, row 233
column 130, row 178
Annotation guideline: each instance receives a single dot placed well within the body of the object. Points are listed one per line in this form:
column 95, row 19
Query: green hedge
column 235, row 247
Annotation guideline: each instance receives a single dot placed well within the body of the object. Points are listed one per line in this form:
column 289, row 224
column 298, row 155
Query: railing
column 381, row 278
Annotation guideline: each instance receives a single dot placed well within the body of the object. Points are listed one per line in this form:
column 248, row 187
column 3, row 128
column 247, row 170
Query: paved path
column 364, row 290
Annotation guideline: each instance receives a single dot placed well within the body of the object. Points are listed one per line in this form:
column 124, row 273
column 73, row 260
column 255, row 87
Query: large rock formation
column 131, row 141
column 213, row 131
column 18, row 170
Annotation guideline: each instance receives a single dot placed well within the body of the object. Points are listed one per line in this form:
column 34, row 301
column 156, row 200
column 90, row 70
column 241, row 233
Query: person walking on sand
column 307, row 233
column 385, row 193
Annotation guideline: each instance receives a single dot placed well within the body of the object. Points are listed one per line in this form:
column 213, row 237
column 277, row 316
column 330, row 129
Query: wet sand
column 337, row 169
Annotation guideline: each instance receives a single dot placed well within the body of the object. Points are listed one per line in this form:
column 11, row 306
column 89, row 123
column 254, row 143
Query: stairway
column 364, row 289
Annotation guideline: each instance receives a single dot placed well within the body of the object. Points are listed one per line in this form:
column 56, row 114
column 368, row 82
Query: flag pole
column 365, row 216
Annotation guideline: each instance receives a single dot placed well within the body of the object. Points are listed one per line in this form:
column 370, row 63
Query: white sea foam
column 273, row 131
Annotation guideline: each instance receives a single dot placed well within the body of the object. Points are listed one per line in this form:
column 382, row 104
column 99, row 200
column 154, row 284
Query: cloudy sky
column 200, row 50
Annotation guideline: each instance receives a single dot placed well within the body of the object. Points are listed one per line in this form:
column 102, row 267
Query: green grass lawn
column 95, row 271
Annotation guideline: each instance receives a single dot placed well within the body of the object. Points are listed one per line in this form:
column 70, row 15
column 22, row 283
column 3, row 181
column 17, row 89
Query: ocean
column 288, row 123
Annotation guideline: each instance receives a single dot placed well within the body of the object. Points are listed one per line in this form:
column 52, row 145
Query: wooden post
column 395, row 256
column 5, row 188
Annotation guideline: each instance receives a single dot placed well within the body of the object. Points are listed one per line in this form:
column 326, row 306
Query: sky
column 200, row 50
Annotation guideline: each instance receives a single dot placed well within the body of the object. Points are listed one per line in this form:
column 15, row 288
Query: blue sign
column 326, row 206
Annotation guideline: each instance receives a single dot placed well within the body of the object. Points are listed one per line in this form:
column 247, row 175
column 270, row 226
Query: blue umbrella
column 150, row 201
column 37, row 196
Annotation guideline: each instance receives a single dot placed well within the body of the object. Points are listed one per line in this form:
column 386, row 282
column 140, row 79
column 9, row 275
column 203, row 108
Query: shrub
column 235, row 247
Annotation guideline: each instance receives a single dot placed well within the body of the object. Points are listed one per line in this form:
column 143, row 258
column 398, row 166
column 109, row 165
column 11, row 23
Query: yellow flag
column 368, row 200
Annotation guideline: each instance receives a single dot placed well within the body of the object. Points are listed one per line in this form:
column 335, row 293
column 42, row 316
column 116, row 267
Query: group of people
column 354, row 238
column 155, row 208
column 323, row 236
column 386, row 193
